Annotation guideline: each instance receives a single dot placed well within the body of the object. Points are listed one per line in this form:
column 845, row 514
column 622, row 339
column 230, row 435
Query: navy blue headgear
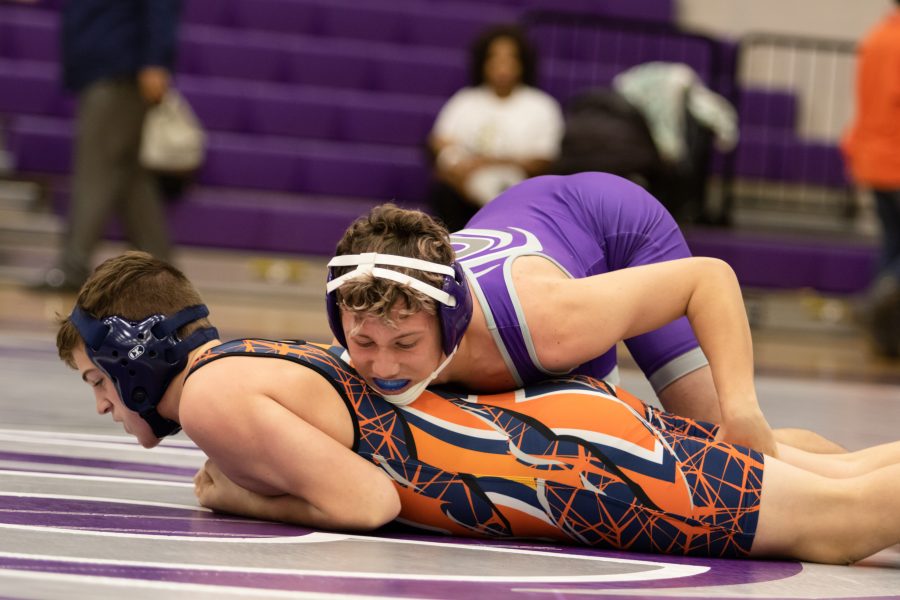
column 453, row 298
column 142, row 357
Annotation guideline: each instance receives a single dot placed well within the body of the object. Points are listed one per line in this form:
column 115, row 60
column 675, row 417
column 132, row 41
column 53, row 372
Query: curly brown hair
column 389, row 229
column 134, row 286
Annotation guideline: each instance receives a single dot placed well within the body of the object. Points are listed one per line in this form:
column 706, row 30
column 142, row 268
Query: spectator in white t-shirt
column 494, row 133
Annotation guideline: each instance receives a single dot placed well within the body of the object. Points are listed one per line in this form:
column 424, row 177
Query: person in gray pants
column 117, row 56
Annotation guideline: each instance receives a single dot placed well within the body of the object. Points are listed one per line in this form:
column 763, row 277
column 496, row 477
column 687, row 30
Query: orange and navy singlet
column 573, row 460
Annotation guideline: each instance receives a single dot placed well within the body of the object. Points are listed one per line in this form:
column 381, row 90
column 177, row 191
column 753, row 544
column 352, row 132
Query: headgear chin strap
column 454, row 300
column 142, row 357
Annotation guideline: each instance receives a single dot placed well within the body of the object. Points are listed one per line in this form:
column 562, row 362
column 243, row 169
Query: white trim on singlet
column 520, row 314
column 492, row 325
column 677, row 368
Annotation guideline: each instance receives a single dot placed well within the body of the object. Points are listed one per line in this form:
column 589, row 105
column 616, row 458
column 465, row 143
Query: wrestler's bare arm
column 276, row 465
column 574, row 320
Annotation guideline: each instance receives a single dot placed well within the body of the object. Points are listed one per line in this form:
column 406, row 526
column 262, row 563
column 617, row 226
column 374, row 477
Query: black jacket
column 107, row 39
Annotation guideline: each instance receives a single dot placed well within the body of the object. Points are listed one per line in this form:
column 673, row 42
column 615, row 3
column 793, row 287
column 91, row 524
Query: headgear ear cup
column 453, row 320
column 333, row 311
column 142, row 357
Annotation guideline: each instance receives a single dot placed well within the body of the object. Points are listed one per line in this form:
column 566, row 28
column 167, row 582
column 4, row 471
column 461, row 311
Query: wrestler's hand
column 748, row 428
column 204, row 484
column 216, row 491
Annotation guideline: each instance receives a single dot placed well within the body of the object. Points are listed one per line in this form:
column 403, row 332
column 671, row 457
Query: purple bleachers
column 231, row 163
column 773, row 261
column 388, row 119
column 304, row 60
column 751, row 158
column 281, row 164
column 318, row 109
column 329, row 66
column 568, row 48
column 426, row 73
column 320, row 168
column 216, row 52
column 821, row 163
column 284, row 16
column 210, row 12
column 361, row 21
column 302, row 115
column 806, row 161
column 307, row 112
column 250, row 194
column 40, row 144
column 565, row 79
column 257, row 108
column 385, row 68
column 778, row 156
column 229, row 102
column 29, row 34
column 661, row 11
column 453, row 26
column 220, row 104
column 264, row 221
column 420, row 23
column 356, row 66
column 772, row 109
column 31, row 87
column 254, row 219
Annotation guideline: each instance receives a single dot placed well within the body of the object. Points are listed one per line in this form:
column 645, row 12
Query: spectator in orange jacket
column 872, row 151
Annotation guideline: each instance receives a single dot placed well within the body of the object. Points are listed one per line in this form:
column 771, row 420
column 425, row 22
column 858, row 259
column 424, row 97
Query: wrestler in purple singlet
column 587, row 224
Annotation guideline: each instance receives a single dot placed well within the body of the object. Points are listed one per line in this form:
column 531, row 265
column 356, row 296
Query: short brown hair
column 134, row 286
column 389, row 229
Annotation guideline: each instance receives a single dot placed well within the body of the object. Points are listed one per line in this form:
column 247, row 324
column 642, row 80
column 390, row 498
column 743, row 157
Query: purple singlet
column 589, row 223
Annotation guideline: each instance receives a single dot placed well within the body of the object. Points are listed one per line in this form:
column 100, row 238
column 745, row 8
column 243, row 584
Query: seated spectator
column 494, row 133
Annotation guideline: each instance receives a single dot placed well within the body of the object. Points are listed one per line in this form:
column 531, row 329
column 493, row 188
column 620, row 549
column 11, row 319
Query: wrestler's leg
column 819, row 519
column 803, row 514
column 848, row 464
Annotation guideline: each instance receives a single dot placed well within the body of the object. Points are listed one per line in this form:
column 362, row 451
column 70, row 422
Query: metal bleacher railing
column 797, row 100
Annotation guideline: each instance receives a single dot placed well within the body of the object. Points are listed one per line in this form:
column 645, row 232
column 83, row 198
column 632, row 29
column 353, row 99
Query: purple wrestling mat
column 75, row 524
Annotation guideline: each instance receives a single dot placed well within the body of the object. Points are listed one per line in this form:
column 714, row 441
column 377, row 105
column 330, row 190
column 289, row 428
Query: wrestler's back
column 587, row 224
column 553, row 461
column 590, row 223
